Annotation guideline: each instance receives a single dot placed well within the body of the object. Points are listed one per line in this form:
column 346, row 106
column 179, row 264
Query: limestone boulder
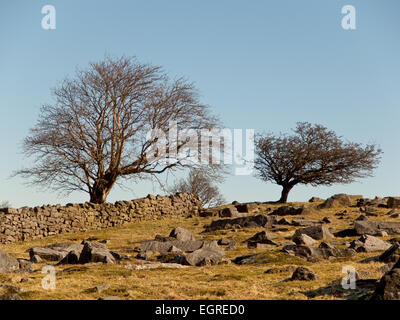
column 7, row 263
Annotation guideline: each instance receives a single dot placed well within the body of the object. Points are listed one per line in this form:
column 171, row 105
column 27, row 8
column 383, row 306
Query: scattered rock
column 260, row 240
column 100, row 288
column 327, row 220
column 374, row 227
column 171, row 257
column 11, row 296
column 320, row 232
column 71, row 258
column 7, row 263
column 226, row 242
column 283, row 222
column 303, row 239
column 257, row 221
column 337, row 200
column 155, row 265
column 247, row 259
column 394, row 240
column 164, row 247
column 393, row 202
column 316, row 199
column 111, row 298
column 231, row 212
column 12, row 289
column 346, row 233
column 25, row 265
column 391, row 255
column 388, row 287
column 96, row 252
column 382, row 234
column 35, row 259
column 291, row 211
column 376, row 202
column 204, row 213
column 324, row 251
column 247, row 207
column 208, row 254
column 54, row 252
column 280, row 270
column 305, row 222
column 303, row 274
column 182, row 234
column 367, row 243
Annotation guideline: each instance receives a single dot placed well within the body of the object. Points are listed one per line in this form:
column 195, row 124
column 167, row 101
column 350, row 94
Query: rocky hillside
column 238, row 251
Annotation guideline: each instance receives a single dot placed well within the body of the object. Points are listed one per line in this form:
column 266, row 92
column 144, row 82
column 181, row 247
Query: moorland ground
column 224, row 281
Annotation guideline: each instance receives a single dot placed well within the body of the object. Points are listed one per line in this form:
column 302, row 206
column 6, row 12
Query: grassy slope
column 211, row 282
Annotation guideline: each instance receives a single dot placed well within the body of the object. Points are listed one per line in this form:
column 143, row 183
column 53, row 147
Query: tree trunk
column 285, row 192
column 99, row 193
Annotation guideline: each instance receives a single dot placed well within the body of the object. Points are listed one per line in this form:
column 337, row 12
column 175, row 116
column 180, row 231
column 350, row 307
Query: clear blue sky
column 259, row 64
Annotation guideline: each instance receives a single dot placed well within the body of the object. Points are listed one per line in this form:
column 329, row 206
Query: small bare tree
column 201, row 182
column 97, row 130
column 312, row 155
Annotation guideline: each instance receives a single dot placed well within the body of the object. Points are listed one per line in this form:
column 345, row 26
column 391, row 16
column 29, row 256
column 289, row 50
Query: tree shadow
column 363, row 291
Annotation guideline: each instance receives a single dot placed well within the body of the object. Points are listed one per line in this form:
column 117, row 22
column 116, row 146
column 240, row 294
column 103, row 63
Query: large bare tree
column 313, row 155
column 108, row 123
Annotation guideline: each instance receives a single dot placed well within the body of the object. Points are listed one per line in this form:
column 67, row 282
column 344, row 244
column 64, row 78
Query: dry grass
column 227, row 281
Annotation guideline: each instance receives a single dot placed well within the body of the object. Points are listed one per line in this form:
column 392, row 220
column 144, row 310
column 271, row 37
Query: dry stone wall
column 38, row 222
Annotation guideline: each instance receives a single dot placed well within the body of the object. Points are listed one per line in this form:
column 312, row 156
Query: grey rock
column 208, row 254
column 260, row 240
column 164, row 247
column 226, row 242
column 367, row 243
column 257, row 221
column 388, row 287
column 324, row 251
column 291, row 211
column 337, row 200
column 100, row 288
column 391, row 255
column 283, row 222
column 375, row 227
column 54, row 252
column 316, row 199
column 111, row 298
column 351, row 232
column 95, row 252
column 280, row 270
column 305, row 222
column 182, row 234
column 303, row 239
column 231, row 212
column 327, row 220
column 246, row 207
column 7, row 263
column 303, row 274
column 71, row 258
column 393, row 202
column 11, row 296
